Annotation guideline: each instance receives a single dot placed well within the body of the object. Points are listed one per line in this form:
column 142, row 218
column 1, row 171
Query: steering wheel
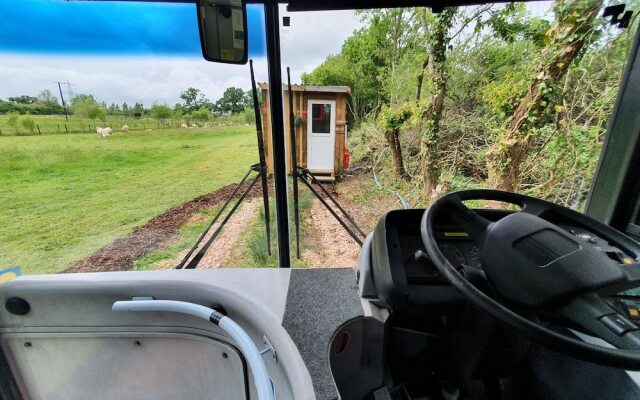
column 534, row 265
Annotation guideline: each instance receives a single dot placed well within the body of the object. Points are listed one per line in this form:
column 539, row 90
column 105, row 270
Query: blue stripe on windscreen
column 109, row 28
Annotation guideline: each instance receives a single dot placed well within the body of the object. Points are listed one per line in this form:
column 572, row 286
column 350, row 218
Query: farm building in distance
column 320, row 120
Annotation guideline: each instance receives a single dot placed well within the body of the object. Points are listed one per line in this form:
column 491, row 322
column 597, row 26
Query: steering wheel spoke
column 472, row 222
column 591, row 314
column 534, row 208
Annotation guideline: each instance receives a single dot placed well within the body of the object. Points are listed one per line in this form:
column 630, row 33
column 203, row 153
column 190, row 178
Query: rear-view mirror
column 223, row 30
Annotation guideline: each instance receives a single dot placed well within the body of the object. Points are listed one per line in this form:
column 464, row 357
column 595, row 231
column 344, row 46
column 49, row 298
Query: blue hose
column 379, row 186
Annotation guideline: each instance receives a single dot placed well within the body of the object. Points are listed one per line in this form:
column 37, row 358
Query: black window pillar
column 272, row 27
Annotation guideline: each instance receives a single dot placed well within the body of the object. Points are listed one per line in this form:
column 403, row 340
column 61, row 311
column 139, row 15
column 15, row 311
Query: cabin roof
column 312, row 88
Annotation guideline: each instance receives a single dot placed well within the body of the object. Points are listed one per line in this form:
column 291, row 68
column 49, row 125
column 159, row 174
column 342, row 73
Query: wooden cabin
column 320, row 120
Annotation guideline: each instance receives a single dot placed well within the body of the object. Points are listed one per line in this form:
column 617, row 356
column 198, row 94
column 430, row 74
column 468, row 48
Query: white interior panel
column 126, row 366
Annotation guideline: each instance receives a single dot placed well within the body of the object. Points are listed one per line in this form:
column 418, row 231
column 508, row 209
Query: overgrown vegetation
column 256, row 241
column 488, row 96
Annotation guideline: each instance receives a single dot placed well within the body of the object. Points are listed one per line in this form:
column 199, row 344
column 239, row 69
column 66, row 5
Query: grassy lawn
column 62, row 197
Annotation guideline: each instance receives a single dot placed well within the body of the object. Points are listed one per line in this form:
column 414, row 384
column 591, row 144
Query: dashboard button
column 618, row 324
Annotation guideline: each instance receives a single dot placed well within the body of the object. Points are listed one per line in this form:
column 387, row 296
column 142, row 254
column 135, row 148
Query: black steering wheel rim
column 626, row 359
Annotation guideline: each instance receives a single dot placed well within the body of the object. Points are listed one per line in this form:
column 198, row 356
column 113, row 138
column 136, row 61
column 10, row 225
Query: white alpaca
column 183, row 125
column 125, row 128
column 107, row 131
column 194, row 125
column 101, row 132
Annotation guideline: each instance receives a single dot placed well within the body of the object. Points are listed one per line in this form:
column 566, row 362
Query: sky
column 147, row 52
column 143, row 52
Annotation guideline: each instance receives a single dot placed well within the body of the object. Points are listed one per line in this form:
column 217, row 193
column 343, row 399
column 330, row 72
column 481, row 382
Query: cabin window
column 321, row 118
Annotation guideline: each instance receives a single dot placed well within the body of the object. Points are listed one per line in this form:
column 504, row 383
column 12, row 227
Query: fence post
column 38, row 126
column 65, row 128
column 0, row 132
column 58, row 127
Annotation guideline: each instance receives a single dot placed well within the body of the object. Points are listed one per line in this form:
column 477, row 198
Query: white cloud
column 118, row 79
column 313, row 36
column 309, row 40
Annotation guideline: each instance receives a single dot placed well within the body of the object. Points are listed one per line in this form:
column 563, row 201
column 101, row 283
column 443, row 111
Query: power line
column 68, row 92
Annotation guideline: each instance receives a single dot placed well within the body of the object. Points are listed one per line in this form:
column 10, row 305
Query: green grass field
column 62, row 197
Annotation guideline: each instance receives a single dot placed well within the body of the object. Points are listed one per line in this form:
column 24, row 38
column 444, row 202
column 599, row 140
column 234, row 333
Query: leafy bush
column 12, row 120
column 201, row 115
column 249, row 116
column 28, row 123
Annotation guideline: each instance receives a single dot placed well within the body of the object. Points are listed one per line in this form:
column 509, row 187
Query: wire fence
column 51, row 126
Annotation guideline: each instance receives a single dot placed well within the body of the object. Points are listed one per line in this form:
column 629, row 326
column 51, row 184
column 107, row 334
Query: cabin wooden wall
column 300, row 106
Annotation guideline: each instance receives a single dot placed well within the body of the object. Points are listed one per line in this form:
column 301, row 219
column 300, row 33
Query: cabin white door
column 321, row 134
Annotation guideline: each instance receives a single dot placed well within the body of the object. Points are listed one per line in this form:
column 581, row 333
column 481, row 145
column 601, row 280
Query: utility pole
column 64, row 105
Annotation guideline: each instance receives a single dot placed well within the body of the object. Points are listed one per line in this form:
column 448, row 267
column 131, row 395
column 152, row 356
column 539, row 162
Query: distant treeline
column 195, row 106
column 35, row 108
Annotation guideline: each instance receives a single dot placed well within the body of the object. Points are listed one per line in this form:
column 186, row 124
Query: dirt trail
column 329, row 244
column 231, row 236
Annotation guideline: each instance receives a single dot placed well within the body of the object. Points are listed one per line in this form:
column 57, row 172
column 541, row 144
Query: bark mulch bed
column 120, row 254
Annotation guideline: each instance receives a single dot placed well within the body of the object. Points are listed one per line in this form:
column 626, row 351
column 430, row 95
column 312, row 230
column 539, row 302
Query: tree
column 80, row 100
column 125, row 109
column 233, row 101
column 358, row 66
column 138, row 109
column 94, row 111
column 391, row 119
column 46, row 97
column 86, row 106
column 193, row 99
column 203, row 114
column 249, row 96
column 574, row 26
column 23, row 99
column 114, row 109
column 161, row 111
column 12, row 120
column 432, row 108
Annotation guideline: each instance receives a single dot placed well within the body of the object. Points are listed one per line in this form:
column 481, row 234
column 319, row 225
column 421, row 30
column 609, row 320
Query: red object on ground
column 345, row 162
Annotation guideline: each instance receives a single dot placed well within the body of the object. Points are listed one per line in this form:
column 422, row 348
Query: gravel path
column 231, row 236
column 329, row 244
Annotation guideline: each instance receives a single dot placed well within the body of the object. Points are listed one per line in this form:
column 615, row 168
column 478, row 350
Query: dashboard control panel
column 405, row 277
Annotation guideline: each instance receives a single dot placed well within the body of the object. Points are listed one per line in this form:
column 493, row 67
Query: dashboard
column 454, row 243
column 404, row 276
